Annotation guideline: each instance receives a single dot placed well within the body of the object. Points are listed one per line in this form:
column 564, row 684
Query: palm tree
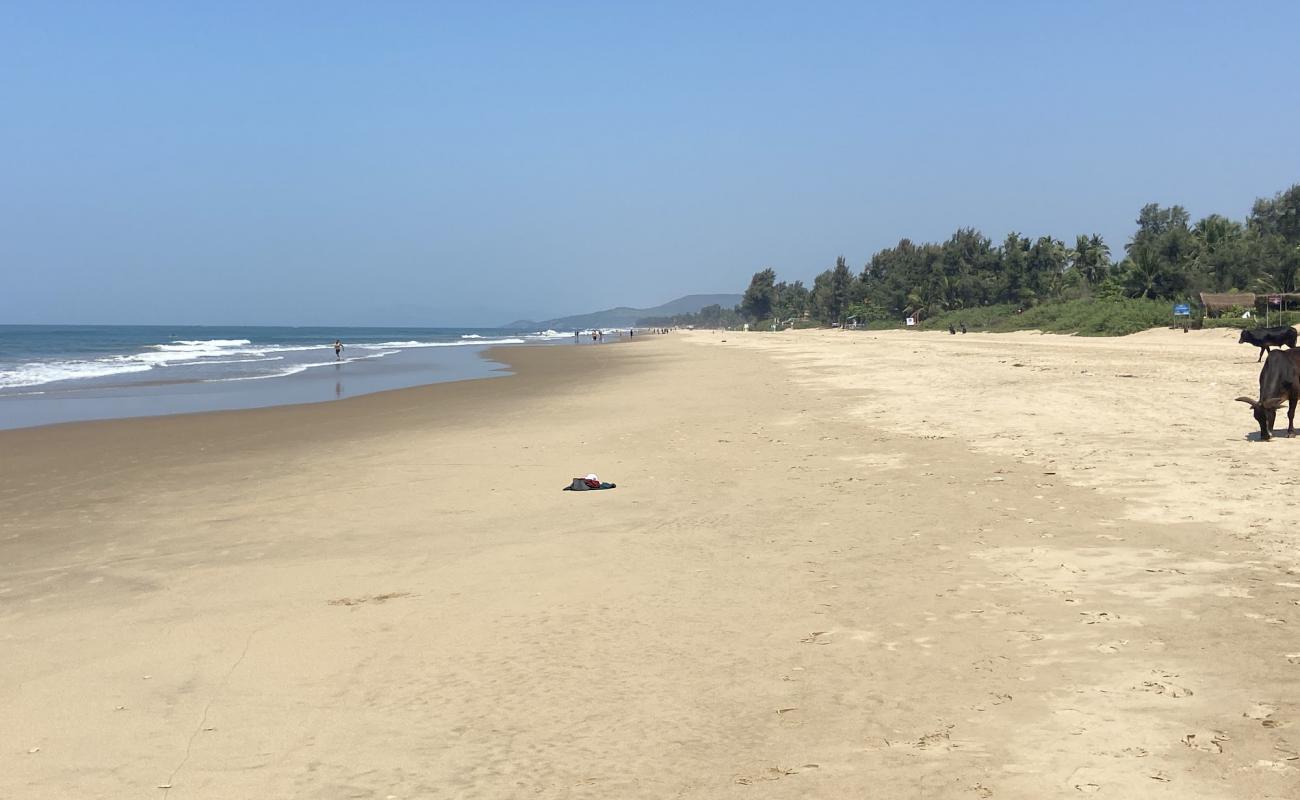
column 1091, row 257
column 921, row 299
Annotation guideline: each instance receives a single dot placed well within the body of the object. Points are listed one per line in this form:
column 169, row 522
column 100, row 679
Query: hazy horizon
column 315, row 165
column 394, row 313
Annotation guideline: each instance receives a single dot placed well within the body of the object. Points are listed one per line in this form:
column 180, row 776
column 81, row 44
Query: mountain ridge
column 625, row 316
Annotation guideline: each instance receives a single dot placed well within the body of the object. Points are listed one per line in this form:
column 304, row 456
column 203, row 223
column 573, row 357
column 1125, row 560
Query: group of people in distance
column 597, row 335
column 953, row 330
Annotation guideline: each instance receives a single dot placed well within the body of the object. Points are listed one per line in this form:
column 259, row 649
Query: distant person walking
column 338, row 350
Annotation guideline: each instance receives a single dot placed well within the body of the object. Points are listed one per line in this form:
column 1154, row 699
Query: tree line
column 1168, row 257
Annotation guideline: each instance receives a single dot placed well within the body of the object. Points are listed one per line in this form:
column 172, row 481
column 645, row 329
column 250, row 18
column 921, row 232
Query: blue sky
column 340, row 163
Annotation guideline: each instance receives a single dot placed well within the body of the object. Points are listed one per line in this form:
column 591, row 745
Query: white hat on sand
column 591, row 476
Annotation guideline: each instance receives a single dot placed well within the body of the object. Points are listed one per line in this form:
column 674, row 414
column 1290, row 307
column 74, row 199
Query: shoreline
column 53, row 374
column 40, row 408
column 97, row 446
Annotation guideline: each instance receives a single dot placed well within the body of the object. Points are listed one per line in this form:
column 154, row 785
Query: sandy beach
column 837, row 564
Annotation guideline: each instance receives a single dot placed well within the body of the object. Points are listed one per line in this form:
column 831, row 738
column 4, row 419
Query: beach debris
column 34, row 750
column 588, row 483
column 815, row 638
column 784, row 710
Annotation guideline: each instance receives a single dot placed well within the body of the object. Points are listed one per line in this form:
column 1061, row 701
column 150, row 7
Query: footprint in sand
column 1234, row 591
column 938, row 740
column 1263, row 712
column 1277, row 766
column 1265, row 619
column 995, row 699
column 1167, row 689
column 1096, row 617
column 1206, row 741
column 373, row 598
column 1111, row 647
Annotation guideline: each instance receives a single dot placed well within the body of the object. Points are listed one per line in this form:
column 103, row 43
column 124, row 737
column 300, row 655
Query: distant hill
column 623, row 317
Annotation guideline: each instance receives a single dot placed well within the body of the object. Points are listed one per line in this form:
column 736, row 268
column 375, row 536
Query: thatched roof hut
column 1215, row 303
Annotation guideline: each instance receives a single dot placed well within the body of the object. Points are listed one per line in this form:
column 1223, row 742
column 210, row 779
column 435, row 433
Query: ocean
column 65, row 373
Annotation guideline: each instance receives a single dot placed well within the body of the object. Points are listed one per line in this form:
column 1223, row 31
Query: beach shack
column 1216, row 304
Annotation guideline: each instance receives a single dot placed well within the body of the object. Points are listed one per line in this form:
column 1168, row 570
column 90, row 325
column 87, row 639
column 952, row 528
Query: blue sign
column 1182, row 310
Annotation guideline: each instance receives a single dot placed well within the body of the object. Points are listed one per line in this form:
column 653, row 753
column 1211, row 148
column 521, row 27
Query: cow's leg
column 1262, row 350
column 1290, row 413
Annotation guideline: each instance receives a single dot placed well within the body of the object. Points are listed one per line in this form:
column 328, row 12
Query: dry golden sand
column 837, row 565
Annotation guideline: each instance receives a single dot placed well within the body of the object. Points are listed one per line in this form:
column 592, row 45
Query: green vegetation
column 1043, row 283
column 714, row 316
column 1089, row 317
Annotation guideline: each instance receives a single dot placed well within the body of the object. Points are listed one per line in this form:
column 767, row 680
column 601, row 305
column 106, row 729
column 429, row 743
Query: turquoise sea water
column 62, row 373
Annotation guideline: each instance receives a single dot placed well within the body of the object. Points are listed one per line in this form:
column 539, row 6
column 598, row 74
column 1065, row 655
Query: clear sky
column 477, row 162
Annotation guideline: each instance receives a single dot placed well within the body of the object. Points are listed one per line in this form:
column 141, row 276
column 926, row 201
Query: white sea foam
column 548, row 334
column 37, row 373
column 227, row 361
column 298, row 368
column 294, row 370
column 475, row 342
column 212, row 352
column 199, row 345
column 186, row 352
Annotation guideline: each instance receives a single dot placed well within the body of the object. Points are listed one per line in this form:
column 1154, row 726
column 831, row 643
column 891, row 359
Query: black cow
column 1264, row 338
column 1279, row 380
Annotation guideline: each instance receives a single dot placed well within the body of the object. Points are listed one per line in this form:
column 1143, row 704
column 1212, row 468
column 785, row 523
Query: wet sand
column 837, row 564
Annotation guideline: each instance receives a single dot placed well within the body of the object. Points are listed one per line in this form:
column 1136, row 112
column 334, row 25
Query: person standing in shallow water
column 338, row 350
